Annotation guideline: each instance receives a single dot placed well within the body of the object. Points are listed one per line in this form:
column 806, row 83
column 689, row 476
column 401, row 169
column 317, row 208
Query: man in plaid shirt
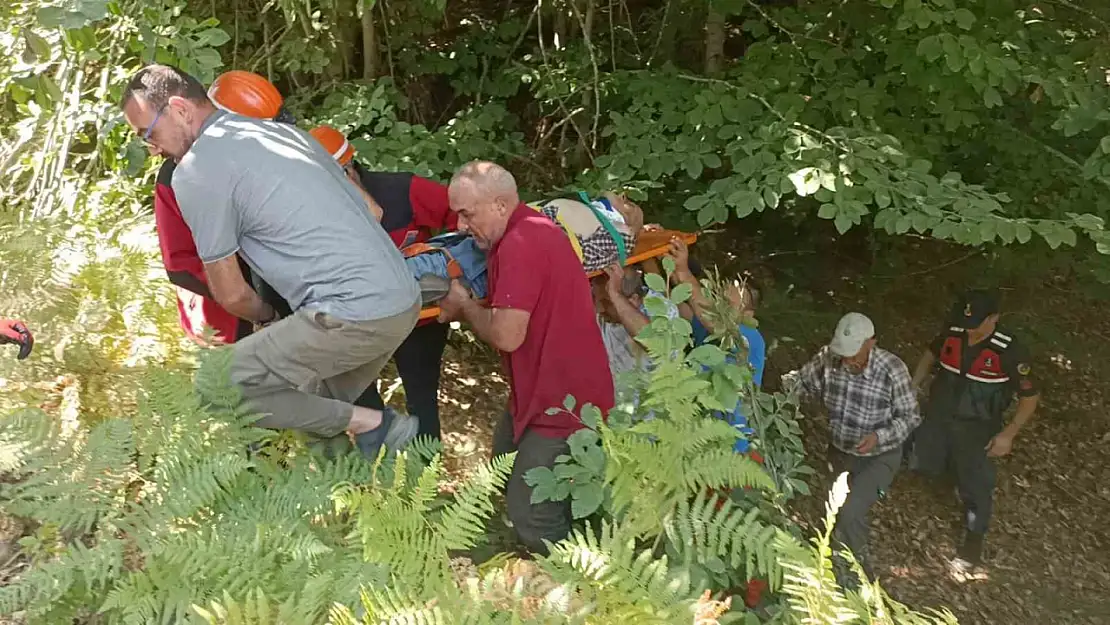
column 872, row 408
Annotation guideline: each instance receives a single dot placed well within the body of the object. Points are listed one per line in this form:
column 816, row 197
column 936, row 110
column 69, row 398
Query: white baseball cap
column 852, row 332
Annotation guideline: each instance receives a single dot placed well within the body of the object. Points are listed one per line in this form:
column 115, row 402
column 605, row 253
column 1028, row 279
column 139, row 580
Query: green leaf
column 591, row 416
column 843, row 223
column 542, row 481
column 569, row 403
column 681, row 293
column 987, row 231
column 889, row 4
column 585, row 500
column 655, row 282
column 694, row 167
column 828, row 211
column 711, row 160
column 695, row 202
column 1007, row 231
column 882, row 198
column 1104, row 144
column 668, row 265
column 37, row 45
column 921, row 166
column 51, row 17
column 581, row 441
column 991, row 97
column 964, row 19
column 1024, row 233
column 930, row 48
column 708, row 355
column 770, row 197
column 214, row 37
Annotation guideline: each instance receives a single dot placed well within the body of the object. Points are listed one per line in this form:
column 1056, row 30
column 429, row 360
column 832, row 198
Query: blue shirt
column 757, row 358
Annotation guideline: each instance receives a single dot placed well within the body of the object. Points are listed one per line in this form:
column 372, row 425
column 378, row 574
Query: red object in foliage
column 755, row 592
column 755, row 455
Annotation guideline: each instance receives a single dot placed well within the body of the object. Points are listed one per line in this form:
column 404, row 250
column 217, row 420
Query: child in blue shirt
column 744, row 297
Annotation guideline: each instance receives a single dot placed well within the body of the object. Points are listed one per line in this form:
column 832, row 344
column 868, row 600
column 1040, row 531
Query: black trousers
column 869, row 477
column 946, row 444
column 419, row 361
column 533, row 523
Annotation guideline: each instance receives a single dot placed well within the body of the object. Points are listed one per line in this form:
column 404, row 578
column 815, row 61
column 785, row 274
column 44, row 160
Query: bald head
column 484, row 195
column 487, row 179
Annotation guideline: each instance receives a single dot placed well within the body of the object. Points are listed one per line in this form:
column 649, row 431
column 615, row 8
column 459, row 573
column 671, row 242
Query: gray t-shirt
column 272, row 193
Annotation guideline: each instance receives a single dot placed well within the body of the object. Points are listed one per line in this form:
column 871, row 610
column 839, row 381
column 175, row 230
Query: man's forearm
column 246, row 304
column 480, row 320
column 1025, row 409
column 922, row 371
column 628, row 315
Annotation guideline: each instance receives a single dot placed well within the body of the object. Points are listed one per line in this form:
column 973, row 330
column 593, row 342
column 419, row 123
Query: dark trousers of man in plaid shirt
column 872, row 409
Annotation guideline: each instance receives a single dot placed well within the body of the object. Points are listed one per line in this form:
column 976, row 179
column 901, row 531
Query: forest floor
column 1048, row 553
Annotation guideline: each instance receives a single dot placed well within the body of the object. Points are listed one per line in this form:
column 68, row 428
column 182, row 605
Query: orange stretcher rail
column 650, row 244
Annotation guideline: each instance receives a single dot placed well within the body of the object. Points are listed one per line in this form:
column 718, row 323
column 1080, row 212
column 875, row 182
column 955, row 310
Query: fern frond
column 610, row 572
column 82, row 572
column 461, row 523
column 702, row 533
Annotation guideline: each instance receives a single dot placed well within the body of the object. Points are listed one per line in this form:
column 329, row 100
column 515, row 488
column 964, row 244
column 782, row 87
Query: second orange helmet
column 335, row 143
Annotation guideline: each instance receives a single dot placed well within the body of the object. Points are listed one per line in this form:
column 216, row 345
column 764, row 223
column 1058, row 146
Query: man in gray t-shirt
column 269, row 193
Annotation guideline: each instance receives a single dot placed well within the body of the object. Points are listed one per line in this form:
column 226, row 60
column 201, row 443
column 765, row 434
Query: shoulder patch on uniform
column 1024, row 369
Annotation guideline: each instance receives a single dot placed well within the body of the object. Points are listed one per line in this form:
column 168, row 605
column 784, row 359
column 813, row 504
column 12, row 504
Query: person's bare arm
column 503, row 328
column 230, row 290
column 924, row 365
column 626, row 312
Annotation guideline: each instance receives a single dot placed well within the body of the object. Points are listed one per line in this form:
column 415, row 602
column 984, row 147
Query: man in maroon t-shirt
column 541, row 319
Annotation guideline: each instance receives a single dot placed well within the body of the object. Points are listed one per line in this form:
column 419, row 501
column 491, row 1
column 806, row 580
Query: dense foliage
column 163, row 515
column 982, row 122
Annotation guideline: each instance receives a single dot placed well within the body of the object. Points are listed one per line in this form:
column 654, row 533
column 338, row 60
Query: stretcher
column 650, row 244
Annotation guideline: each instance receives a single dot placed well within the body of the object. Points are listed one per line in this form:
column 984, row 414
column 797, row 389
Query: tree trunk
column 714, row 39
column 371, row 56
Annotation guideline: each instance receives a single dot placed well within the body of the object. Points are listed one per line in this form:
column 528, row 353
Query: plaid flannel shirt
column 599, row 250
column 880, row 400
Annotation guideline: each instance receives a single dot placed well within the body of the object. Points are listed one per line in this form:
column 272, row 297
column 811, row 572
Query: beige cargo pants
column 304, row 372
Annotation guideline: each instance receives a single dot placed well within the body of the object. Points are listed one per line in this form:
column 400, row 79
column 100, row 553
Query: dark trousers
column 419, row 361
column 533, row 523
column 869, row 478
column 944, row 444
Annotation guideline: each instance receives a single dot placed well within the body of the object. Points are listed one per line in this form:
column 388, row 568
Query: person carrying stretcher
column 246, row 94
column 411, row 209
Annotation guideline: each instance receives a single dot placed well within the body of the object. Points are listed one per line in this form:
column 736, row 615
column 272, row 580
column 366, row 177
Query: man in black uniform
column 979, row 368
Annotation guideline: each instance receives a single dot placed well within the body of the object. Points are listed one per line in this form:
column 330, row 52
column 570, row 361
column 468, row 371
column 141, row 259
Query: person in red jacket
column 13, row 331
column 411, row 209
column 239, row 92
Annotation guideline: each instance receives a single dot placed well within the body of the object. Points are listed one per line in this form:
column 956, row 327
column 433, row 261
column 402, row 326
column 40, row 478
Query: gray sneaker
column 395, row 432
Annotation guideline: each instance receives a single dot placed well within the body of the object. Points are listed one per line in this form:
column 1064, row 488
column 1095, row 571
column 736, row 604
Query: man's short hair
column 487, row 177
column 156, row 84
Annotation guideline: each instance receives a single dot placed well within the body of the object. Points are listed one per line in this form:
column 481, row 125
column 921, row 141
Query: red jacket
column 179, row 254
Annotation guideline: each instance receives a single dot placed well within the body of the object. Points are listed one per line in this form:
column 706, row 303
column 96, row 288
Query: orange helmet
column 335, row 143
column 246, row 93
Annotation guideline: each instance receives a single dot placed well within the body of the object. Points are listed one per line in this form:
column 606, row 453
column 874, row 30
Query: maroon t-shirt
column 534, row 268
